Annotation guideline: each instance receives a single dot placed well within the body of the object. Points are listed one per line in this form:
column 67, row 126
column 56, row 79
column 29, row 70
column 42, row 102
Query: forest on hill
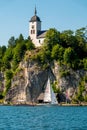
column 67, row 47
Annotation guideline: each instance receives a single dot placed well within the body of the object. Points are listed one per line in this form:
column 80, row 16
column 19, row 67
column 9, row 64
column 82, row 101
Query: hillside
column 25, row 69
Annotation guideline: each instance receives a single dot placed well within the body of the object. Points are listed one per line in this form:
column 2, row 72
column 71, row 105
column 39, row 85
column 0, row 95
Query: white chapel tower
column 35, row 33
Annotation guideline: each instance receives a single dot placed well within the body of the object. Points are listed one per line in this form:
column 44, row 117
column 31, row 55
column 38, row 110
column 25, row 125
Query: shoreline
column 35, row 104
column 41, row 104
column 66, row 104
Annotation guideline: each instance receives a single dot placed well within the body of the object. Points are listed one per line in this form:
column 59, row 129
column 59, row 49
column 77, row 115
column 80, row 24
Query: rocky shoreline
column 72, row 104
column 35, row 104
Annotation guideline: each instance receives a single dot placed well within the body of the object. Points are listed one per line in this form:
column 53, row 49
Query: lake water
column 43, row 118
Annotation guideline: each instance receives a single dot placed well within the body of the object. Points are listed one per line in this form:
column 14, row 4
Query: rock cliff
column 2, row 83
column 68, row 81
column 28, row 82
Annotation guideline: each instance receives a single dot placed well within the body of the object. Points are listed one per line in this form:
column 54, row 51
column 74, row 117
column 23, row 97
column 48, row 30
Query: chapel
column 36, row 34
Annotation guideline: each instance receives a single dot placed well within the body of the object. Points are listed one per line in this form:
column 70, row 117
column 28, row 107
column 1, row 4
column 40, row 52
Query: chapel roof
column 35, row 17
column 41, row 34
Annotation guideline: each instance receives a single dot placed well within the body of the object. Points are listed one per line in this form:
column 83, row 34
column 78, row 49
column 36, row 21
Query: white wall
column 39, row 42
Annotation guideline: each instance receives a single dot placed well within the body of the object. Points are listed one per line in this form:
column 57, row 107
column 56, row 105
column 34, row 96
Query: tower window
column 32, row 26
column 39, row 41
column 33, row 31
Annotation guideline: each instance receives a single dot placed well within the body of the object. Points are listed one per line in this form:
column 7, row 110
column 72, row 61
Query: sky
column 59, row 14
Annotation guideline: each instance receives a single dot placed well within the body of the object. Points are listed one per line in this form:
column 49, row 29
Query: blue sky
column 59, row 14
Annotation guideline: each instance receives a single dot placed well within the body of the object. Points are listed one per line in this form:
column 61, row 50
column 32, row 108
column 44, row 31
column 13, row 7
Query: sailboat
column 49, row 95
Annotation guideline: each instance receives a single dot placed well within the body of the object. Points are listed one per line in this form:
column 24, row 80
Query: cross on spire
column 35, row 11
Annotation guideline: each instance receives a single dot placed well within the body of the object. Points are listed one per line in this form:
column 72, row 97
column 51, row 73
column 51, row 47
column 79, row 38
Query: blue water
column 43, row 118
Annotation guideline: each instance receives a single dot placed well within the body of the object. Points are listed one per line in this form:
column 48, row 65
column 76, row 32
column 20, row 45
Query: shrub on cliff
column 57, row 52
column 29, row 45
column 8, row 74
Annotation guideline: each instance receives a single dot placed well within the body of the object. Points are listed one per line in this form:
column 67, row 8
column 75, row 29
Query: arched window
column 33, row 31
column 39, row 41
column 32, row 26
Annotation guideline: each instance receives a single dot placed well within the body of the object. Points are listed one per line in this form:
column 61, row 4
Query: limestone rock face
column 2, row 79
column 67, row 79
column 28, row 83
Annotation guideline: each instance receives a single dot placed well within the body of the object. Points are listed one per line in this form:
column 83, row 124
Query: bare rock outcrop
column 28, row 82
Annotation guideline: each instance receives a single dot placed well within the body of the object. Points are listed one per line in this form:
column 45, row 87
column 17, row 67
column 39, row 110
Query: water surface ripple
column 43, row 118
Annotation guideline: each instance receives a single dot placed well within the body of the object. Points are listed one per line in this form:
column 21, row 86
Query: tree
column 20, row 39
column 57, row 52
column 8, row 55
column 81, row 36
column 51, row 38
column 7, row 58
column 19, row 52
column 6, row 64
column 29, row 45
column 67, row 39
column 82, row 33
column 2, row 51
column 69, row 55
column 11, row 42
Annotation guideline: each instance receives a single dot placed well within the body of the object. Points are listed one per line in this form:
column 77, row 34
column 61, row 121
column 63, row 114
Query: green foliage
column 79, row 97
column 7, row 58
column 9, row 75
column 42, row 57
column 29, row 45
column 55, row 89
column 67, row 47
column 85, row 63
column 8, row 85
column 64, row 73
column 19, row 52
column 81, row 94
column 6, row 65
column 70, row 58
column 11, row 42
column 85, row 78
column 51, row 39
column 20, row 39
column 67, row 38
column 57, row 52
column 81, row 33
column 2, row 51
column 8, row 54
column 69, row 55
column 81, row 89
column 85, row 98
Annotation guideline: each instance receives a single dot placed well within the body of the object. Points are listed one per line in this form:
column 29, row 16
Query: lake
column 43, row 118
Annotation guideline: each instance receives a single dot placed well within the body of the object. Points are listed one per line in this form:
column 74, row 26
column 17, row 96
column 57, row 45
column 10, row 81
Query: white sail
column 49, row 95
column 53, row 97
